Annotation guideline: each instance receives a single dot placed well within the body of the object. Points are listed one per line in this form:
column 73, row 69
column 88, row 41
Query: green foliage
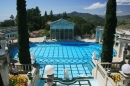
column 82, row 26
column 7, row 23
column 23, row 38
column 124, row 23
column 51, row 16
column 109, row 31
column 34, row 19
column 95, row 19
column 47, row 27
column 46, row 33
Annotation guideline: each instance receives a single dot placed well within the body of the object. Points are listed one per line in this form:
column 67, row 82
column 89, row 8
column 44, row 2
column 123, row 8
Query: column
column 50, row 34
column 55, row 33
column 12, row 38
column 17, row 37
column 64, row 34
column 73, row 33
column 4, row 73
column 68, row 34
column 119, row 49
column 9, row 39
column 59, row 34
column 115, row 40
column 123, row 50
column 96, row 36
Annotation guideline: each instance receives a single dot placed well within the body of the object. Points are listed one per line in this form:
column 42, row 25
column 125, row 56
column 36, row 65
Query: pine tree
column 109, row 31
column 51, row 16
column 23, row 38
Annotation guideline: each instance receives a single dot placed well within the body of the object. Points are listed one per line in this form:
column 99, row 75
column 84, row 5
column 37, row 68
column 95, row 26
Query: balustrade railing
column 23, row 68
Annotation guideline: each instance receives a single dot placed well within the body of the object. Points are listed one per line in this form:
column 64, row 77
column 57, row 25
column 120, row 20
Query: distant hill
column 97, row 20
column 124, row 17
column 123, row 22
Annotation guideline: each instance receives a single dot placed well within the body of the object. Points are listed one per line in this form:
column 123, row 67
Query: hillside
column 98, row 21
column 123, row 21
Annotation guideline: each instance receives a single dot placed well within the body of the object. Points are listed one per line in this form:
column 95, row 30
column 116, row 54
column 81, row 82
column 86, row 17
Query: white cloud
column 101, row 5
column 118, row 11
column 96, row 5
column 123, row 2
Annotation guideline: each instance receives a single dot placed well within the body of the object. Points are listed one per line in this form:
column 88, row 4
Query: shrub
column 18, row 80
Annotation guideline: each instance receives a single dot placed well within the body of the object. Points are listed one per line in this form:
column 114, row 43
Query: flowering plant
column 18, row 80
column 116, row 77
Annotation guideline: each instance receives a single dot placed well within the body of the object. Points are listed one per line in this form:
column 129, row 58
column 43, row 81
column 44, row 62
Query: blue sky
column 8, row 7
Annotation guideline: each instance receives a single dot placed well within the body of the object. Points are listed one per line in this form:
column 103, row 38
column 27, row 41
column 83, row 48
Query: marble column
column 115, row 40
column 119, row 49
column 4, row 75
column 97, row 36
column 50, row 33
column 55, row 33
column 123, row 52
column 59, row 34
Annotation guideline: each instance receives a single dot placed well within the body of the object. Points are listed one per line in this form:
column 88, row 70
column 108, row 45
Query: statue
column 94, row 55
column 66, row 74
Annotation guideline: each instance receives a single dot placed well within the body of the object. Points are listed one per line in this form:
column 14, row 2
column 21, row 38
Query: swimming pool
column 75, row 56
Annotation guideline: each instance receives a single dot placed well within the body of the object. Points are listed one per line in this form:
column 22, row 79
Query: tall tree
column 109, row 31
column 23, row 38
column 64, row 15
column 51, row 16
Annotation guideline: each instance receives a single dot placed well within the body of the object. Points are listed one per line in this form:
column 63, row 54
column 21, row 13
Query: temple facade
column 62, row 30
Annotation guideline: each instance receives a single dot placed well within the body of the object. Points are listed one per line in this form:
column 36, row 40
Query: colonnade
column 62, row 34
column 99, row 33
column 11, row 37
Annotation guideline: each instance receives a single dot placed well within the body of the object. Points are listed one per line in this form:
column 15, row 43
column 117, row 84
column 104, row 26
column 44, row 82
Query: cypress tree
column 109, row 31
column 23, row 36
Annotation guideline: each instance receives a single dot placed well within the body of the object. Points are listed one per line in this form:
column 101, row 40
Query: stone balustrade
column 100, row 73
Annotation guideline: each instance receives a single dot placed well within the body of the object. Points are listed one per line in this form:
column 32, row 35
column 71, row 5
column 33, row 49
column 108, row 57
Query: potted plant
column 114, row 68
column 18, row 80
column 108, row 72
column 29, row 74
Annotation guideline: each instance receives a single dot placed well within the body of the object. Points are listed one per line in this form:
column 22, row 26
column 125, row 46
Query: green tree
column 64, row 15
column 23, row 38
column 109, row 31
column 34, row 19
column 12, row 17
column 51, row 16
column 7, row 23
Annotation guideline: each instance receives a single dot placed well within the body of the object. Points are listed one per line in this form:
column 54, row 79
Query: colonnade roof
column 62, row 24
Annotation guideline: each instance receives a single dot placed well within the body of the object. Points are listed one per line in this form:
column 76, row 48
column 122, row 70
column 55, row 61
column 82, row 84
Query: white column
column 99, row 40
column 17, row 37
column 73, row 33
column 4, row 75
column 59, row 34
column 68, row 34
column 12, row 38
column 9, row 39
column 96, row 36
column 123, row 49
column 64, row 34
column 115, row 40
column 55, row 33
column 50, row 33
column 119, row 49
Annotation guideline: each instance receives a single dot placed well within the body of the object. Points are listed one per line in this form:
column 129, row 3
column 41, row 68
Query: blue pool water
column 76, row 56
